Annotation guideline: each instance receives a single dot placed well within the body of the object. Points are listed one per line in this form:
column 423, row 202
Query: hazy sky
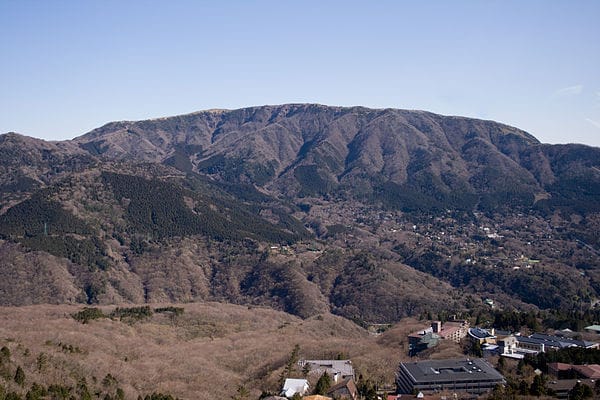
column 67, row 67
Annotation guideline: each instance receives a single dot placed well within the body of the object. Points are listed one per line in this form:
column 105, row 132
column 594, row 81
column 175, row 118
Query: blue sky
column 70, row 66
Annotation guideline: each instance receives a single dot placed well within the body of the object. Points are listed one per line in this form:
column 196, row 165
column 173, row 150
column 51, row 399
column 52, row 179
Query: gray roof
column 332, row 366
column 480, row 333
column 554, row 341
column 454, row 370
column 593, row 328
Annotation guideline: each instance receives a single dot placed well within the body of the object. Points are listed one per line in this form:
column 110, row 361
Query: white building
column 293, row 386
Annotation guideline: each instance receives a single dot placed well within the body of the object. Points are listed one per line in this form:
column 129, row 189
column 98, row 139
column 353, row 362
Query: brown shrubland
column 205, row 353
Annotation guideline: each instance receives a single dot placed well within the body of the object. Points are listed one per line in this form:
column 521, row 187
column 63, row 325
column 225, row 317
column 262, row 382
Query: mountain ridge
column 305, row 208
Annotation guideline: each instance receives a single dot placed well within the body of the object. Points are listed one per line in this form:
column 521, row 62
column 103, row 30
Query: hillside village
column 470, row 250
column 490, row 353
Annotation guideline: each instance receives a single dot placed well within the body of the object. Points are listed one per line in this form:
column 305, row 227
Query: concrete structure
column 293, row 386
column 455, row 375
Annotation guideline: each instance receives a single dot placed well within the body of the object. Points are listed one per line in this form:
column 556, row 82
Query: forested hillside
column 371, row 214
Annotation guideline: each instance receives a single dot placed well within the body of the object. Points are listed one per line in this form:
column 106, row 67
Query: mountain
column 371, row 214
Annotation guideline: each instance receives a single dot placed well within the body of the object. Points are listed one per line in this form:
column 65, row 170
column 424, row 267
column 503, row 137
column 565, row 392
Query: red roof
column 556, row 366
column 591, row 371
column 449, row 331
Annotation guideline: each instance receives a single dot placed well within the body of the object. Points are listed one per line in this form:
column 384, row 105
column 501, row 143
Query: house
column 337, row 369
column 293, row 386
column 345, row 390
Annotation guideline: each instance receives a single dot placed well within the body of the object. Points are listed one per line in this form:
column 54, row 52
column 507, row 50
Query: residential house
column 344, row 390
column 337, row 369
column 293, row 386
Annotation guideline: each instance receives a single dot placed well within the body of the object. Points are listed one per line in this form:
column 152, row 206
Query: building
column 509, row 346
column 517, row 346
column 455, row 375
column 422, row 340
column 567, row 371
column 542, row 342
column 430, row 337
column 337, row 369
column 562, row 387
column 590, row 371
column 293, row 386
column 345, row 390
column 593, row 329
column 454, row 330
column 482, row 335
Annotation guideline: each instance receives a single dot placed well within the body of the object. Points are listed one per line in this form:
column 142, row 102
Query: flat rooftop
column 454, row 370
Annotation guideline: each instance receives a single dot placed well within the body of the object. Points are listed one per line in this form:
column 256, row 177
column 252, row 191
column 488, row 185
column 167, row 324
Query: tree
column 538, row 386
column 241, row 393
column 4, row 354
column 289, row 365
column 305, row 370
column 523, row 388
column 476, row 350
column 41, row 362
column 580, row 392
column 501, row 364
column 20, row 376
column 36, row 392
column 323, row 384
column 366, row 388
